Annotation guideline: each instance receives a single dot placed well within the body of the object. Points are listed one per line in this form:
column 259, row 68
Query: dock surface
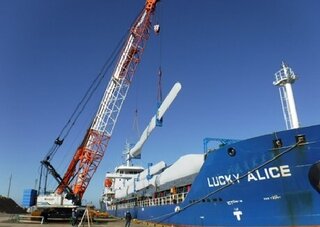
column 10, row 221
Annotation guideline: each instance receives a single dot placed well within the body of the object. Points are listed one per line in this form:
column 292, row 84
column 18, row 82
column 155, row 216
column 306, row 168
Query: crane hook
column 156, row 28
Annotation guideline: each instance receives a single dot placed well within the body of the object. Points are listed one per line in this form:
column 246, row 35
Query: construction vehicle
column 73, row 184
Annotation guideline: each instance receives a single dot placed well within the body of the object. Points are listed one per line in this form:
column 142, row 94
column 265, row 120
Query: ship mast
column 285, row 77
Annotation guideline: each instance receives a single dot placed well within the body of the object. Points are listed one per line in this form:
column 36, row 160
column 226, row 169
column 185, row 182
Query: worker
column 128, row 219
column 74, row 217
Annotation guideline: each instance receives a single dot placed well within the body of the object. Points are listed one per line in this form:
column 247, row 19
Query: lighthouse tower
column 285, row 77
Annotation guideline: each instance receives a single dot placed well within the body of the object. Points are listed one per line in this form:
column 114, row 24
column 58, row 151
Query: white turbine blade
column 168, row 100
column 136, row 150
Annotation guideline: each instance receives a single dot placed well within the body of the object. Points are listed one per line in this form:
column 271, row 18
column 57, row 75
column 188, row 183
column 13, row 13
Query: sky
column 223, row 52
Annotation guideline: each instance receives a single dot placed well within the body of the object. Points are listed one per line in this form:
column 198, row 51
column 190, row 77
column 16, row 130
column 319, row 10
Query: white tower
column 284, row 78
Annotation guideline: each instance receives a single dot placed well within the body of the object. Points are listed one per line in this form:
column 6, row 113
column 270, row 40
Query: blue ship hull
column 271, row 180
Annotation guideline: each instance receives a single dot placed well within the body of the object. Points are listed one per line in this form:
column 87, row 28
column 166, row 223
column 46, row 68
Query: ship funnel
column 285, row 77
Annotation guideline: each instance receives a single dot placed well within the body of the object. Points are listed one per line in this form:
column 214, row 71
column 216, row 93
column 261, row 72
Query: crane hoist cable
column 135, row 126
column 93, row 87
column 159, row 76
column 84, row 101
column 159, row 96
column 75, row 115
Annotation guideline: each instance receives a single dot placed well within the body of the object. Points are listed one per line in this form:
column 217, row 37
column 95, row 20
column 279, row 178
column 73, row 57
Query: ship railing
column 170, row 199
column 159, row 201
column 126, row 205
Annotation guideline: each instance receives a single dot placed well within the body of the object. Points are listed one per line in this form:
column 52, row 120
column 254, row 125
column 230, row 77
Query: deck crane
column 91, row 151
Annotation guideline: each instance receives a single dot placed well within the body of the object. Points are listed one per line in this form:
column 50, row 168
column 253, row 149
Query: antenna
column 285, row 77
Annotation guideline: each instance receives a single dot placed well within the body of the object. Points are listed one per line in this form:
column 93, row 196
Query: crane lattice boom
column 91, row 151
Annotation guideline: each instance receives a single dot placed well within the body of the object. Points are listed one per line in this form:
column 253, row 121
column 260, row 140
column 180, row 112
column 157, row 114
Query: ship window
column 231, row 151
column 277, row 143
column 300, row 139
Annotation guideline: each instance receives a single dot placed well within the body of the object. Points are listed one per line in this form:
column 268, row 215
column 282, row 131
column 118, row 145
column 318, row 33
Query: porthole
column 231, row 152
column 277, row 143
column 300, row 139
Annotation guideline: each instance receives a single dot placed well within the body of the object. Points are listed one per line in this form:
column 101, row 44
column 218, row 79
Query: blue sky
column 223, row 52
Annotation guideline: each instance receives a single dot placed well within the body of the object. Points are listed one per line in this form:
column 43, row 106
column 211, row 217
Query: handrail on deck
column 165, row 200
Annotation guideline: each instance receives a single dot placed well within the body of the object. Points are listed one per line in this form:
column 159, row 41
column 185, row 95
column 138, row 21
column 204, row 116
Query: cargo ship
column 268, row 180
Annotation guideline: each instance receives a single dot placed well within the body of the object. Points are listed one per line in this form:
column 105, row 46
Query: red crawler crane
column 91, row 151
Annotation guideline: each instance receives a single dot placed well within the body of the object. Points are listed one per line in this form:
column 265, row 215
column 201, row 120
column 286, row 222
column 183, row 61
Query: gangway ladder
column 285, row 77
